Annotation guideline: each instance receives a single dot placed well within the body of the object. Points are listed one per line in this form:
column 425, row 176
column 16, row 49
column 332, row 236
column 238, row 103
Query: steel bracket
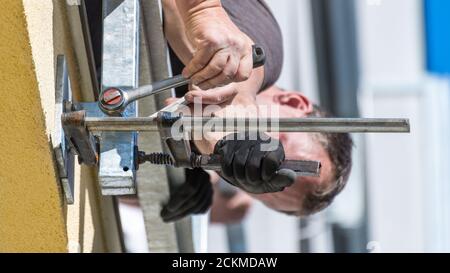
column 120, row 67
column 64, row 155
column 115, row 155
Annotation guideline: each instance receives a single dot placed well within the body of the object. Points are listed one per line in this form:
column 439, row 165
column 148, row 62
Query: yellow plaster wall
column 31, row 209
column 33, row 215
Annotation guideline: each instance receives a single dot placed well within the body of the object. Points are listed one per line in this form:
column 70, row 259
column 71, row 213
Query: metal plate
column 116, row 165
column 64, row 157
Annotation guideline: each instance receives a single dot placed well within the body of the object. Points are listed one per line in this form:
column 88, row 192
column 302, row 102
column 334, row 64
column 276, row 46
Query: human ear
column 296, row 100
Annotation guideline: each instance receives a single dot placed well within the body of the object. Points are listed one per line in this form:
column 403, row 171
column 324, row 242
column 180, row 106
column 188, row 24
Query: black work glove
column 193, row 197
column 246, row 166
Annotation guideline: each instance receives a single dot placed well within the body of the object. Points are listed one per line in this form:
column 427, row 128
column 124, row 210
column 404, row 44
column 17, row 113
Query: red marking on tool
column 112, row 96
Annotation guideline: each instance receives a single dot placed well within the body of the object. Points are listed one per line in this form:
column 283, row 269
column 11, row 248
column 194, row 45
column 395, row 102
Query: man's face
column 297, row 146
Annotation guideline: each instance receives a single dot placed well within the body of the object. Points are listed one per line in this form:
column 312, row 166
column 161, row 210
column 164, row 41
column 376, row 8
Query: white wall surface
column 391, row 43
column 407, row 174
column 391, row 54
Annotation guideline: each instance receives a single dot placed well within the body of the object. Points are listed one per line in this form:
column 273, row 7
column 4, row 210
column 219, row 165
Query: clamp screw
column 112, row 96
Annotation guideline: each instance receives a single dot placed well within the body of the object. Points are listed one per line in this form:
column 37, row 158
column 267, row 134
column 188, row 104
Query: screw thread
column 158, row 159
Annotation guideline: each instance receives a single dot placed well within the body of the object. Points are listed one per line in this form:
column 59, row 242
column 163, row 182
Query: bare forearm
column 175, row 32
column 190, row 7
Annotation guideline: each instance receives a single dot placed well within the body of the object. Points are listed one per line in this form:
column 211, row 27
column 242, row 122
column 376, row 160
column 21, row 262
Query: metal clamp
column 182, row 156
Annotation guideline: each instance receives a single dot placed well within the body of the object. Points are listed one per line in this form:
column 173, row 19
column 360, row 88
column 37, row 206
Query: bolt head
column 111, row 96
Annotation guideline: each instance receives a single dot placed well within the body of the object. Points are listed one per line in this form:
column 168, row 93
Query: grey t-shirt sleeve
column 254, row 18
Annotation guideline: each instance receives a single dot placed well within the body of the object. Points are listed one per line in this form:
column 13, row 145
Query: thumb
column 283, row 178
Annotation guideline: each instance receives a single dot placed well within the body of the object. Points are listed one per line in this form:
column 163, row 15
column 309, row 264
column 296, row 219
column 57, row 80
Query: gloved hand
column 193, row 197
column 246, row 166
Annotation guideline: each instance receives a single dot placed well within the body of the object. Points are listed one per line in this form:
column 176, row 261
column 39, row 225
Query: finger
column 271, row 162
column 182, row 206
column 199, row 61
column 180, row 197
column 199, row 208
column 252, row 169
column 170, row 100
column 205, row 205
column 197, row 176
column 225, row 143
column 239, row 163
column 196, row 180
column 260, row 189
column 245, row 68
column 212, row 96
column 212, row 69
column 190, row 206
column 283, row 178
column 225, row 76
column 171, row 216
column 227, row 154
column 219, row 145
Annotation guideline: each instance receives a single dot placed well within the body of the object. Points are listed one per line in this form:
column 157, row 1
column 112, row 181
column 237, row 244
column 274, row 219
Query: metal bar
column 120, row 63
column 214, row 124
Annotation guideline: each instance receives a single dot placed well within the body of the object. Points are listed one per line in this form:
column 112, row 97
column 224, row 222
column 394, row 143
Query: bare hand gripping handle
column 113, row 100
